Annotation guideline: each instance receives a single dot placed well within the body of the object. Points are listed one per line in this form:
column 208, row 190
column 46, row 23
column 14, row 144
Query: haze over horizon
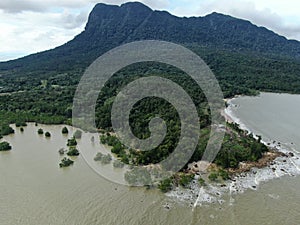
column 59, row 21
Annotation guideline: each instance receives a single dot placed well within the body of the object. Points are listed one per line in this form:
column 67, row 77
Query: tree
column 72, row 142
column 73, row 152
column 6, row 130
column 65, row 162
column 77, row 134
column 47, row 134
column 224, row 174
column 21, row 124
column 185, row 180
column 5, row 146
column 65, row 130
column 40, row 131
column 98, row 156
column 166, row 185
column 61, row 151
column 201, row 182
column 213, row 176
column 118, row 164
column 116, row 149
column 106, row 159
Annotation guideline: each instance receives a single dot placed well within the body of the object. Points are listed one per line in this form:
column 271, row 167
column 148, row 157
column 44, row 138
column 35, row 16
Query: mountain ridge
column 110, row 25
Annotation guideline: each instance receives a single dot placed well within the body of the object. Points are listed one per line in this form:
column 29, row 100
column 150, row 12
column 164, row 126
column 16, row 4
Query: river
column 35, row 191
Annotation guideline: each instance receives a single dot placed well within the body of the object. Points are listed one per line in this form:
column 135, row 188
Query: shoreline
column 274, row 166
column 276, row 163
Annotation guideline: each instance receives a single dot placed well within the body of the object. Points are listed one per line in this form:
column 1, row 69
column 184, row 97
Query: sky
column 30, row 26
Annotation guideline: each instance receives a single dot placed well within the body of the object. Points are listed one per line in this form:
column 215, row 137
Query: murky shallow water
column 35, row 191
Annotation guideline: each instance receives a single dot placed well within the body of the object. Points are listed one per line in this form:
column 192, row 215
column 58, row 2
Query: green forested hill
column 240, row 53
column 244, row 57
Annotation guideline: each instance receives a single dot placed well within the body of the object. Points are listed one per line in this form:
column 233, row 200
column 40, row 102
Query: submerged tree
column 72, row 142
column 73, row 151
column 40, row 131
column 5, row 146
column 77, row 134
column 65, row 162
column 65, row 130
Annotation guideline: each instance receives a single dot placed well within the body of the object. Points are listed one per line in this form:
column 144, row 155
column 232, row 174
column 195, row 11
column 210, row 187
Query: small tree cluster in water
column 6, row 130
column 40, row 131
column 5, row 146
column 104, row 159
column 118, row 164
column 65, row 162
column 73, row 151
column 77, row 134
column 72, row 142
column 65, row 130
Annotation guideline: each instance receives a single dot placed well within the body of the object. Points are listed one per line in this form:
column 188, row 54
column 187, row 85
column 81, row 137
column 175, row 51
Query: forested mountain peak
column 231, row 46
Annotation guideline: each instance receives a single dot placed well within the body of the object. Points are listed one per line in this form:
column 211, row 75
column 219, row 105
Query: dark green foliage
column 218, row 175
column 5, row 129
column 22, row 129
column 109, row 140
column 213, row 176
column 5, row 146
column 65, row 130
column 72, row 142
column 201, row 182
column 21, row 124
column 117, row 147
column 73, row 152
column 223, row 174
column 77, row 134
column 166, row 185
column 185, row 179
column 65, row 162
column 40, row 131
column 47, row 134
column 238, row 147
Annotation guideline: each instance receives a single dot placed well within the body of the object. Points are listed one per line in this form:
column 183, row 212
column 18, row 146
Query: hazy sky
column 29, row 26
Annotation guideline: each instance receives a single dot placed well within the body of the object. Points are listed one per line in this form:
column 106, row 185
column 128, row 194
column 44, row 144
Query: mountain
column 231, row 46
column 109, row 26
column 245, row 58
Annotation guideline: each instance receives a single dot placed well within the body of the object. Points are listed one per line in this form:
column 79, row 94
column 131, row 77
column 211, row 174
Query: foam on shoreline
column 216, row 192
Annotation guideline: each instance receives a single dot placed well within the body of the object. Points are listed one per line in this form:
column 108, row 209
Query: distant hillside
column 40, row 88
column 239, row 52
